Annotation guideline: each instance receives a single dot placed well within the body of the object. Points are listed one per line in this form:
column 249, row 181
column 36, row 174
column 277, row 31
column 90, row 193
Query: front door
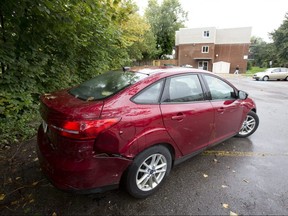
column 187, row 117
column 203, row 65
column 275, row 74
column 228, row 112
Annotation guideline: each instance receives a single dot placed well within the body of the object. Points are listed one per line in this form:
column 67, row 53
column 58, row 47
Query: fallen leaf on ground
column 18, row 178
column 215, row 160
column 225, row 205
column 35, row 183
column 245, row 180
column 233, row 214
column 54, row 214
column 224, row 186
column 205, row 175
column 2, row 197
column 14, row 202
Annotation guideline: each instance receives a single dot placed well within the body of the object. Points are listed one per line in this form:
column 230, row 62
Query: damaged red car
column 133, row 126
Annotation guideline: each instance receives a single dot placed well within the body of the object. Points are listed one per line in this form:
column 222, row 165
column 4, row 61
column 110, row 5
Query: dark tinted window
column 149, row 95
column 219, row 89
column 184, row 89
column 105, row 85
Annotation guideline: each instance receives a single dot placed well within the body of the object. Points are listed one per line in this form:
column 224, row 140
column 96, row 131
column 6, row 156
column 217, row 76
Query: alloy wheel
column 248, row 125
column 151, row 172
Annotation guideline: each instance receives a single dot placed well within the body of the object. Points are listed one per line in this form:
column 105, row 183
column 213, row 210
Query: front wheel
column 249, row 125
column 148, row 171
column 265, row 78
column 286, row 79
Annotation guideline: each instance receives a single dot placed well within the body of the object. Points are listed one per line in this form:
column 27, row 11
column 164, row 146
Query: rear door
column 186, row 115
column 284, row 73
column 227, row 108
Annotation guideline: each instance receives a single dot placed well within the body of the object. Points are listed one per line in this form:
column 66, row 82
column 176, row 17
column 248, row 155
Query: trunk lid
column 60, row 106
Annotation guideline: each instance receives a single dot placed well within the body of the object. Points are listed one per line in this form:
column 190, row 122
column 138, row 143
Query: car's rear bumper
column 92, row 174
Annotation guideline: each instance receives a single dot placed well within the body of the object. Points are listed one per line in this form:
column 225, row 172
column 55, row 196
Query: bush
column 249, row 65
column 19, row 117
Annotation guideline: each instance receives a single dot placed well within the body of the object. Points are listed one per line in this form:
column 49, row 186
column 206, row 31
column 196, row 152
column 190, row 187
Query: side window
column 183, row 89
column 219, row 89
column 276, row 70
column 283, row 69
column 149, row 95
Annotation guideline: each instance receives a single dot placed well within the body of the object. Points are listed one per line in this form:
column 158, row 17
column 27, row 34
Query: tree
column 262, row 53
column 139, row 39
column 165, row 20
column 280, row 38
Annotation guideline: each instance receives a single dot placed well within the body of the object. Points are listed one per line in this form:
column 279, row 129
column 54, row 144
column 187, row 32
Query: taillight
column 88, row 129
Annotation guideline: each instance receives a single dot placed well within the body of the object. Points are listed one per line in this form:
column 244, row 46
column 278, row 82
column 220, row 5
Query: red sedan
column 134, row 126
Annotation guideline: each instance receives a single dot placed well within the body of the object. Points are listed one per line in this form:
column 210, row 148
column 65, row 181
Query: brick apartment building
column 202, row 47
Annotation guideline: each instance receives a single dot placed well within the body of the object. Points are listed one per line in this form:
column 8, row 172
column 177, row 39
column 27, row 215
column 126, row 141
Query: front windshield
column 105, row 85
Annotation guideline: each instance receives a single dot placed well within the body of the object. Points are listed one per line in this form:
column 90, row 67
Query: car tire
column 286, row 79
column 249, row 126
column 148, row 171
column 265, row 78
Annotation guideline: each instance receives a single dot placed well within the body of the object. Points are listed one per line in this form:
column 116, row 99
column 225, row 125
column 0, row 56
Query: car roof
column 149, row 70
column 275, row 68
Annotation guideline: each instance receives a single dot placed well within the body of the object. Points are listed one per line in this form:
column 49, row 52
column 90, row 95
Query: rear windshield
column 105, row 85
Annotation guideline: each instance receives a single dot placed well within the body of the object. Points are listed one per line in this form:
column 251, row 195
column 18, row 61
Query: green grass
column 254, row 70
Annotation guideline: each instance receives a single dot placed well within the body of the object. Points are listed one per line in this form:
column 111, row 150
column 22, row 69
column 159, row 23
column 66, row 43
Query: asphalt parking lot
column 240, row 176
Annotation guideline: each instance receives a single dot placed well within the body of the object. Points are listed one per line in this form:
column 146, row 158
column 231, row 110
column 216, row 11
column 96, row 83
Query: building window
column 205, row 49
column 206, row 34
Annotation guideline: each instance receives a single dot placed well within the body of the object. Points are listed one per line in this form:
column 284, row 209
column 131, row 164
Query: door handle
column 178, row 117
column 221, row 109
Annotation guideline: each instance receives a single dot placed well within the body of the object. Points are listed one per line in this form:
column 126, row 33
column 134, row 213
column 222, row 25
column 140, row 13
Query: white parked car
column 272, row 74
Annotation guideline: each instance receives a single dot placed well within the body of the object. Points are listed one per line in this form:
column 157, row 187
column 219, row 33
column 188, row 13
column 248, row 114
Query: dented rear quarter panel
column 141, row 125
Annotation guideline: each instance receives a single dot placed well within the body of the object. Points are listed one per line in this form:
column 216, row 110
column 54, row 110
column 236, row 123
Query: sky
column 264, row 16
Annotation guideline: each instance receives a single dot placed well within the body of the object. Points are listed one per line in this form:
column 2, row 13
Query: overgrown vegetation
column 276, row 52
column 254, row 70
column 52, row 44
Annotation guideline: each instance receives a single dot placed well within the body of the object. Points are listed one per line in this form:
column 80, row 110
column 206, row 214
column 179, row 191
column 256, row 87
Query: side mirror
column 242, row 95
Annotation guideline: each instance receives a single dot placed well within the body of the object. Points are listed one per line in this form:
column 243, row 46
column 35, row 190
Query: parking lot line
column 241, row 154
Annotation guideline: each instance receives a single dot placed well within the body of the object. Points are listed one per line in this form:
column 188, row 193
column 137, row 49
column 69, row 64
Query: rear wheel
column 148, row 171
column 249, row 125
column 265, row 78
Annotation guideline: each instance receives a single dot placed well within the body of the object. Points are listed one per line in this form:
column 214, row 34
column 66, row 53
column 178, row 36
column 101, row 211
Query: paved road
column 245, row 176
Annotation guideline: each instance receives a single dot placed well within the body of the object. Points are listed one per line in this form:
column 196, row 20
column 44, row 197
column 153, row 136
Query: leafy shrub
column 249, row 65
column 18, row 117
